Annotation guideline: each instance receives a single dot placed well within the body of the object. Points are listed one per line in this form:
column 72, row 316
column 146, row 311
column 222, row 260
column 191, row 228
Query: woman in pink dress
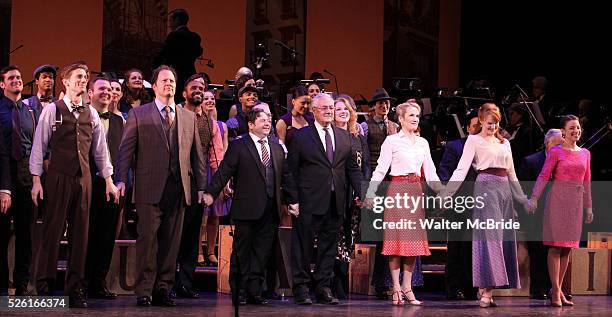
column 569, row 166
column 407, row 155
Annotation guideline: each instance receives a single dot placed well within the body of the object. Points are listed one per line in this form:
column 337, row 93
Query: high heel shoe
column 486, row 301
column 400, row 298
column 551, row 300
column 212, row 259
column 565, row 302
column 413, row 301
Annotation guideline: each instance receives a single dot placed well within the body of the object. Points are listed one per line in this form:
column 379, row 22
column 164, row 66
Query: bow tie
column 78, row 108
column 105, row 115
column 46, row 98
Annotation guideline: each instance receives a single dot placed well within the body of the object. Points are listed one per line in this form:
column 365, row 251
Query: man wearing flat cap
column 45, row 80
column 248, row 97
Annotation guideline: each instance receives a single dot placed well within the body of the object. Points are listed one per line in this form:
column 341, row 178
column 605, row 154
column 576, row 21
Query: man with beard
column 210, row 139
column 18, row 121
column 161, row 142
column 103, row 214
column 45, row 80
column 72, row 131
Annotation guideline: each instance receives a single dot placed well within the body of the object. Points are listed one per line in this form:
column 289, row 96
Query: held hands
column 205, row 198
column 531, row 205
column 5, row 202
column 121, row 188
column 294, row 209
column 111, row 190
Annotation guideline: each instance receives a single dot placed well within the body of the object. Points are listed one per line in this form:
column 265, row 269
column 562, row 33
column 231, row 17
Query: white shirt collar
column 320, row 127
column 256, row 139
column 161, row 106
column 68, row 102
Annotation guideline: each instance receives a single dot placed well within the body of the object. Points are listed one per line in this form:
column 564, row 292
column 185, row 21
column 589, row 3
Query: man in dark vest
column 376, row 129
column 261, row 180
column 103, row 214
column 162, row 144
column 72, row 131
column 212, row 149
column 19, row 123
column 45, row 80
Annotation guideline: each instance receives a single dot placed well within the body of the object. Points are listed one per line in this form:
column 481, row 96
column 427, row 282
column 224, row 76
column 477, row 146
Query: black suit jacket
column 5, row 173
column 242, row 162
column 113, row 140
column 314, row 173
column 180, row 50
column 531, row 166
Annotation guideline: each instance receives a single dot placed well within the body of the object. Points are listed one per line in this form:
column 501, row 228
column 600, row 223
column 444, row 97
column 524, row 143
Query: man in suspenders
column 71, row 129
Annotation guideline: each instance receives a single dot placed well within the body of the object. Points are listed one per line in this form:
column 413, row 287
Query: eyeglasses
column 323, row 108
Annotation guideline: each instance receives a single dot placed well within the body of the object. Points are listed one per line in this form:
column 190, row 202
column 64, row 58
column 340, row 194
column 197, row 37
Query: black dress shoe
column 43, row 288
column 325, row 296
column 456, row 295
column 302, row 298
column 77, row 299
column 162, row 298
column 101, row 293
column 144, row 301
column 186, row 292
column 21, row 290
column 271, row 295
column 256, row 300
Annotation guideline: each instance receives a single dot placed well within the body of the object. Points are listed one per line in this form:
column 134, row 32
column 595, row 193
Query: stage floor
column 213, row 304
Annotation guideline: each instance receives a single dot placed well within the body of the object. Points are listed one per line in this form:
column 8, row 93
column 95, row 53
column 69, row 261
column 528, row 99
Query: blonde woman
column 407, row 156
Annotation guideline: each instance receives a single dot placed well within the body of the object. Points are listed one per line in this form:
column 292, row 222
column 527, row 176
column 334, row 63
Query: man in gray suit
column 161, row 143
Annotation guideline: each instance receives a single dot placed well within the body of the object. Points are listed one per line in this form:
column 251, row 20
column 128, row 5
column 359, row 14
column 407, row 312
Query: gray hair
column 551, row 134
column 320, row 96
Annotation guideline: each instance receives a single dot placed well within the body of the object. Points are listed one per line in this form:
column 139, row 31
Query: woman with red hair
column 494, row 255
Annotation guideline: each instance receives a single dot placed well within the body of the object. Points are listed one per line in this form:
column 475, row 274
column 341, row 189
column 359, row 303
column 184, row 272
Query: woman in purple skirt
column 569, row 166
column 494, row 253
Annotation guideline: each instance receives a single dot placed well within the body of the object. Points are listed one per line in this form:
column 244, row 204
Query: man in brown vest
column 376, row 129
column 162, row 144
column 71, row 130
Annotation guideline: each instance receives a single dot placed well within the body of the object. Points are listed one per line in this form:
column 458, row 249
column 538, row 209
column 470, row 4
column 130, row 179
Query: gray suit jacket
column 145, row 149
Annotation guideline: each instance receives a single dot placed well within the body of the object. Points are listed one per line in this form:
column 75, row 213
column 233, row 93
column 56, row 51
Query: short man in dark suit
column 45, row 80
column 261, row 180
column 161, row 142
column 529, row 171
column 181, row 48
column 458, row 268
column 103, row 214
column 320, row 159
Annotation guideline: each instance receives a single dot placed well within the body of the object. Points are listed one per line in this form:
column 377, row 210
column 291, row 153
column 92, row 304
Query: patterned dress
column 406, row 159
column 569, row 195
column 494, row 251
